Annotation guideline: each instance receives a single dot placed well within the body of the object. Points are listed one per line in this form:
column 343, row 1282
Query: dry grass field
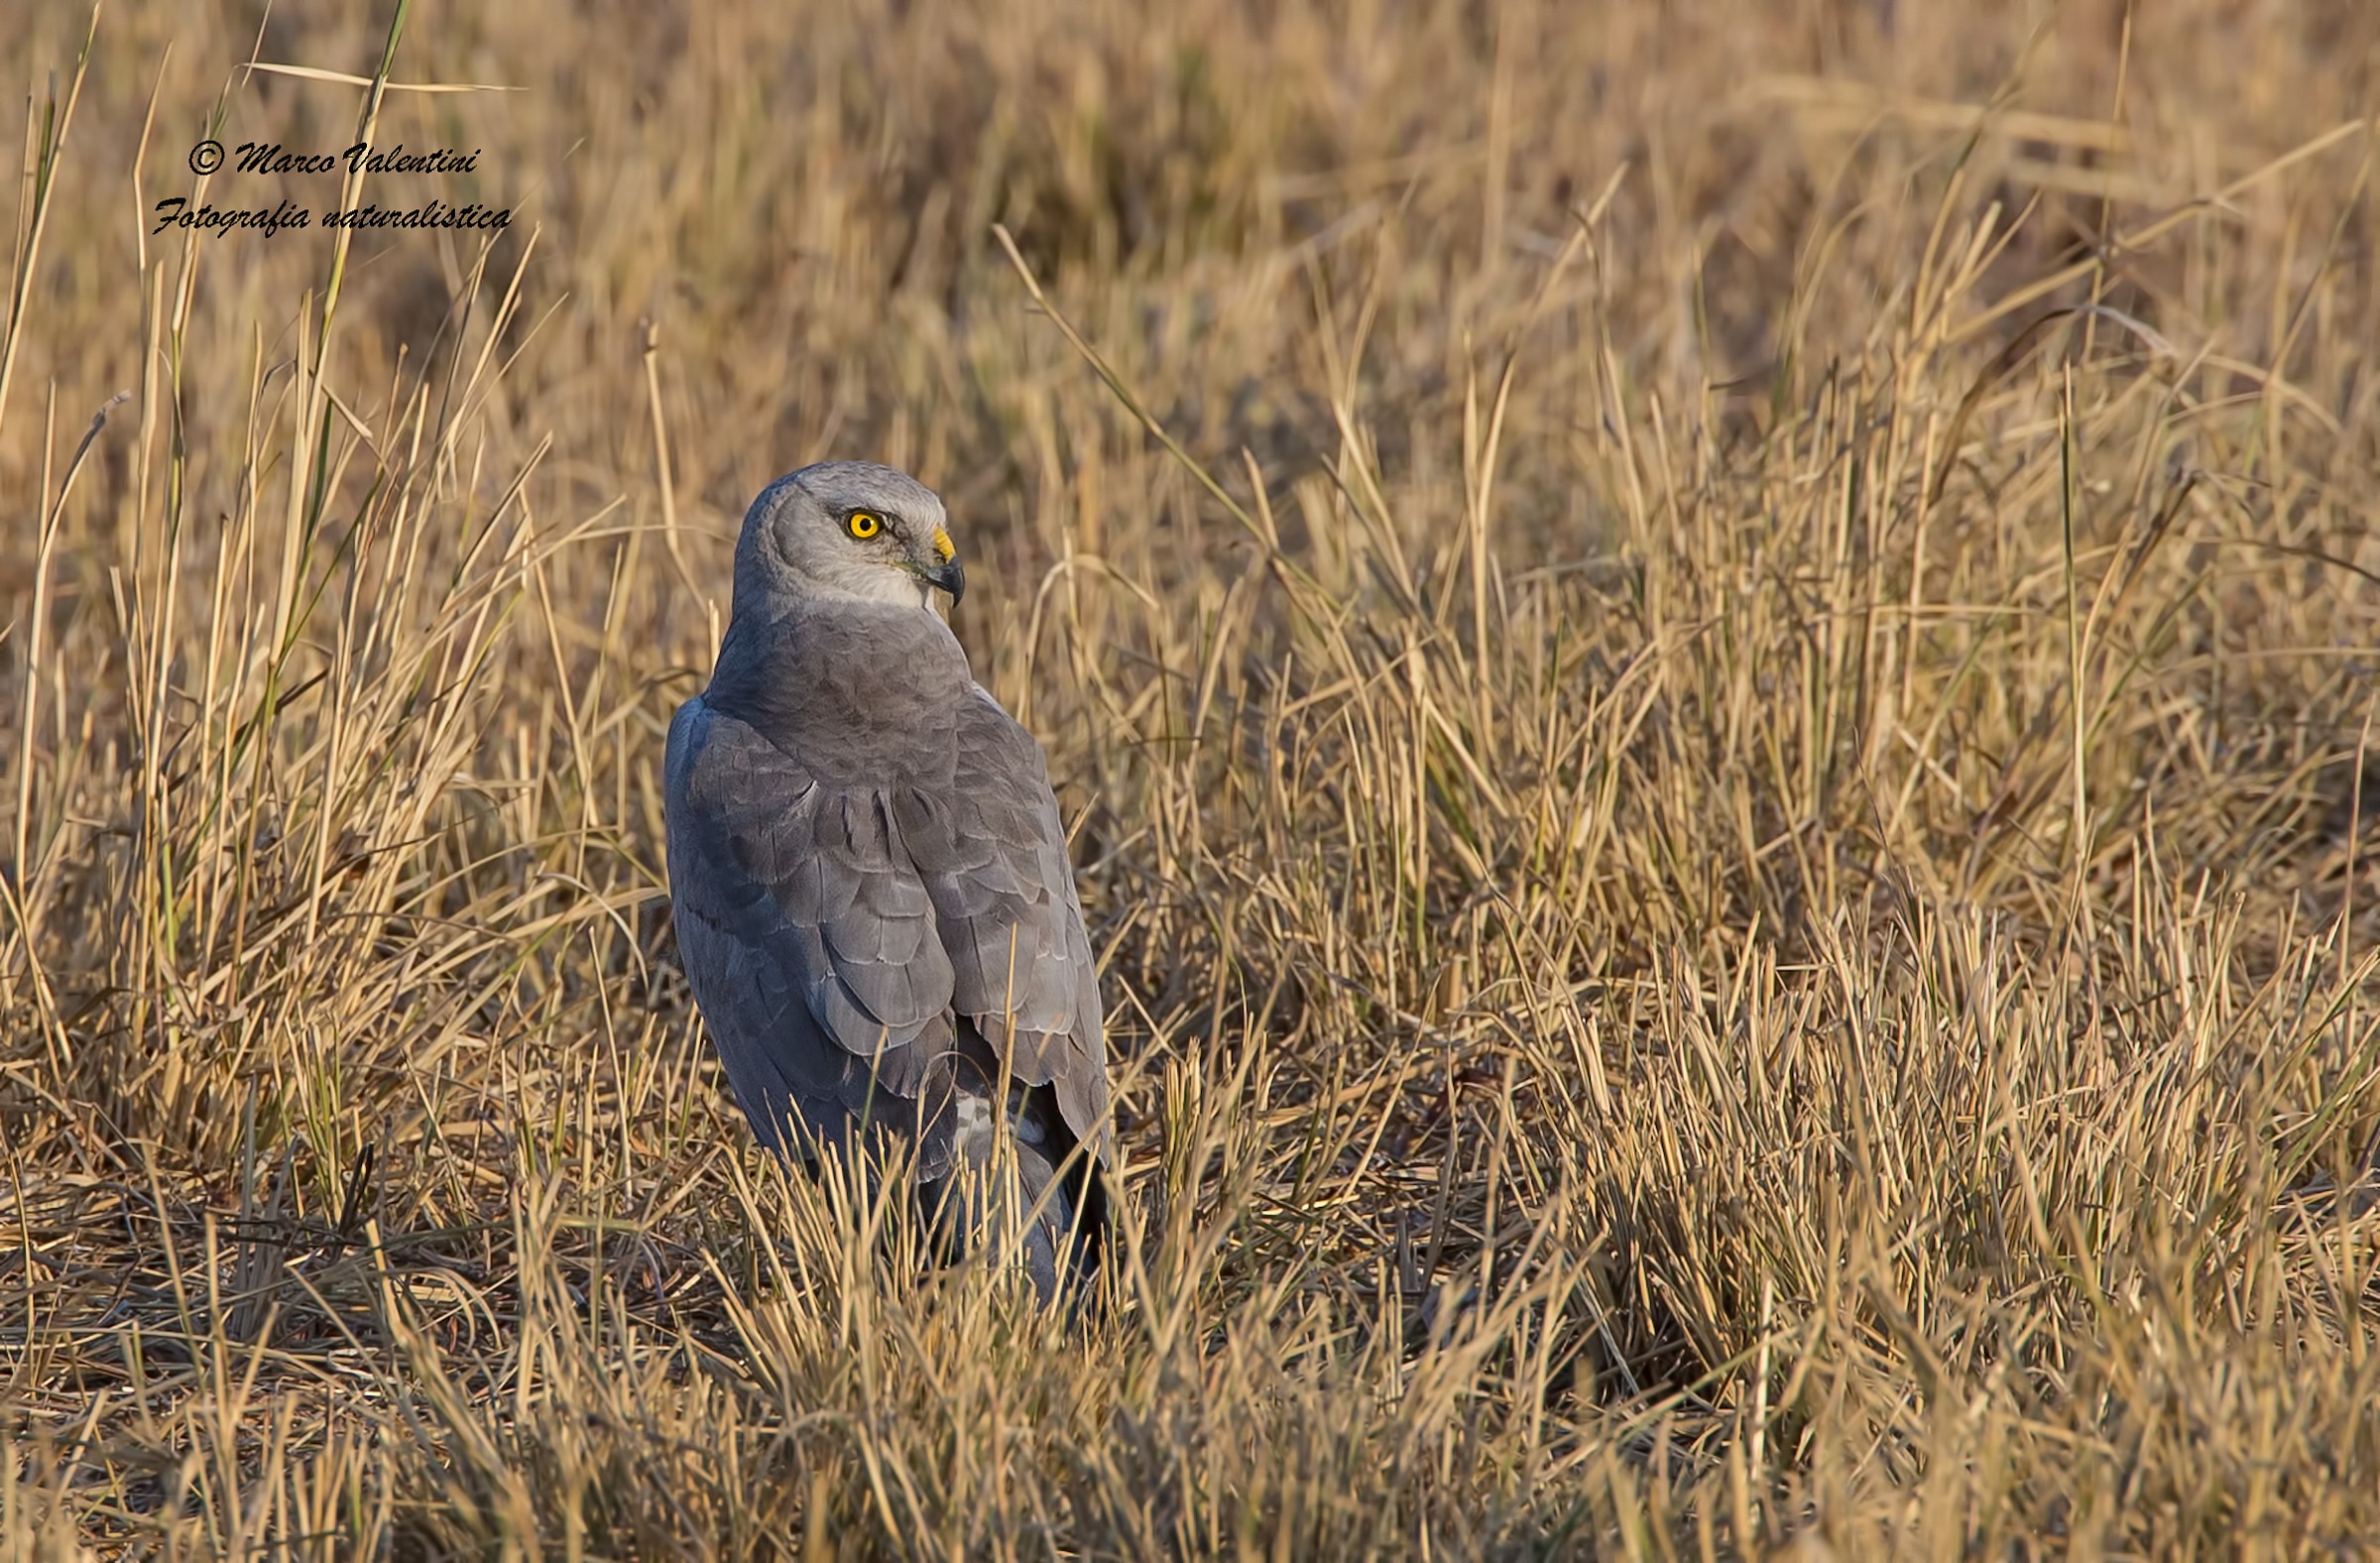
column 1712, row 666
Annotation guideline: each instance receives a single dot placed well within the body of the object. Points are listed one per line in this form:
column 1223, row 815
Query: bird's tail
column 1022, row 1196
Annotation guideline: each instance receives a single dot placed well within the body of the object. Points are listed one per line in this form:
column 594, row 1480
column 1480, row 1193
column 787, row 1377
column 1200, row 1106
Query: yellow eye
column 864, row 523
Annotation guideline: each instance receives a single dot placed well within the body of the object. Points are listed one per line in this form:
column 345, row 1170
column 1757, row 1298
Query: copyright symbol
column 207, row 157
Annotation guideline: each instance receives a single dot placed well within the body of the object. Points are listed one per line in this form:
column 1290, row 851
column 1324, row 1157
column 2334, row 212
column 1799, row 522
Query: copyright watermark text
column 269, row 157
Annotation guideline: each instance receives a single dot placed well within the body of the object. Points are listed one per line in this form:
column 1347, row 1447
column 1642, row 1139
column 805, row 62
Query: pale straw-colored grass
column 1713, row 666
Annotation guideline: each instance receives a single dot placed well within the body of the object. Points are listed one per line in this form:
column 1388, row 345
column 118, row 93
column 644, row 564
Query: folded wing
column 850, row 945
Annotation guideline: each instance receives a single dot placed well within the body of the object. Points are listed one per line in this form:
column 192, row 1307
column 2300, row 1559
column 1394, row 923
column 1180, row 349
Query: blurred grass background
column 1727, row 789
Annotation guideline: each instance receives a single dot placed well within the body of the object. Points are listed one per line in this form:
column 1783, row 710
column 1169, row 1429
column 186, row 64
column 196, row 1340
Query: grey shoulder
column 683, row 738
column 997, row 721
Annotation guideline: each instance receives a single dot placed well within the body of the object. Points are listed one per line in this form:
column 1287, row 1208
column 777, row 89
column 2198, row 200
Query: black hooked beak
column 950, row 578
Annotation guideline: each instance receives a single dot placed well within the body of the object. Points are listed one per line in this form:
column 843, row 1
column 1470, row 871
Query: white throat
column 896, row 587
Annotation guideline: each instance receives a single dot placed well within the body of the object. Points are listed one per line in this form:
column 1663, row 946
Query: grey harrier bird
column 870, row 883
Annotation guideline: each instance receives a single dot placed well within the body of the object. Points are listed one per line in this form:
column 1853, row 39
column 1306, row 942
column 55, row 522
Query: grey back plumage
column 873, row 899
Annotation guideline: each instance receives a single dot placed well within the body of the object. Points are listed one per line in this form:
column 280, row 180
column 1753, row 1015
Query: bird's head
column 849, row 529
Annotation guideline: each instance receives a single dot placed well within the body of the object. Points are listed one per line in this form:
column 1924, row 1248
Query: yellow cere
column 943, row 547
